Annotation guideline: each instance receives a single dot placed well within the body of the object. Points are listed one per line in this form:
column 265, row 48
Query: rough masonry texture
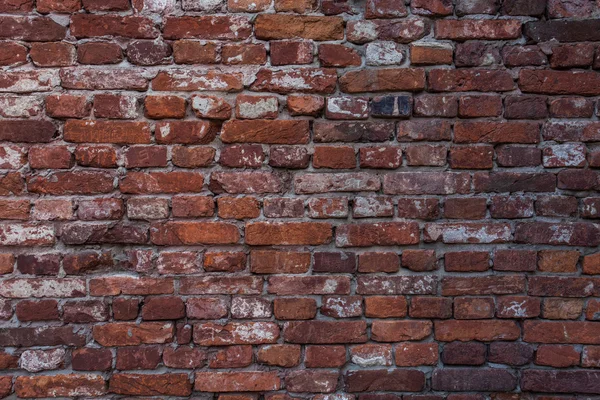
column 300, row 199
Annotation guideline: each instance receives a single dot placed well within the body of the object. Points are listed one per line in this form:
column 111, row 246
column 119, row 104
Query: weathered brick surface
column 300, row 199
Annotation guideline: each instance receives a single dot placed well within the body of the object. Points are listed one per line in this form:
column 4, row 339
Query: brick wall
column 280, row 199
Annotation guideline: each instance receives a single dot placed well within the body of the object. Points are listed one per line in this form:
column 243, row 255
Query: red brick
column 385, row 306
column 380, row 157
column 476, row 54
column 308, row 285
column 94, row 25
column 295, row 308
column 245, row 182
column 90, row 359
column 88, row 261
column 416, row 354
column 289, row 157
column 232, row 357
column 161, row 107
column 395, row 331
column 212, row 334
column 148, row 52
column 305, row 105
column 210, row 27
column 591, row 264
column 112, row 286
column 287, row 52
column 98, row 53
column 559, row 82
column 478, row 29
column 506, row 284
column 430, row 54
column 247, row 5
column 206, row 307
column 131, row 334
column 396, row 285
column 108, row 5
column 192, row 81
column 107, row 132
column 185, row 132
column 464, row 80
column 12, row 54
column 256, row 107
column 380, row 234
column 10, row 6
column 7, row 262
column 473, row 308
column 311, row 381
column 59, row 385
column 177, row 232
column 283, row 207
column 326, row 132
column 281, row 355
column 242, row 54
column 512, row 156
column 33, row 29
column 192, row 157
column 236, row 381
column 161, row 182
column 465, row 379
column 489, row 132
column 115, row 106
column 222, row 285
column 442, row 183
column 400, row 380
column 194, row 52
column 238, row 208
column 303, row 80
column 483, row 330
column 224, row 261
column 14, row 209
column 325, row 356
column 419, row 260
column 271, row 26
column 130, row 358
column 426, row 155
column 514, row 182
column 335, row 55
column 271, row 261
column 325, row 332
column 71, row 183
column 67, row 106
column 148, row 385
column 98, row 79
column 518, row 307
column 383, row 80
column 560, row 332
column 574, row 234
column 470, row 353
column 432, row 7
column 125, row 309
column 43, row 310
column 430, row 307
column 479, row 106
column 161, row 308
column 385, row 9
column 562, row 9
column 56, row 54
column 299, row 233
column 557, row 356
column 276, row 132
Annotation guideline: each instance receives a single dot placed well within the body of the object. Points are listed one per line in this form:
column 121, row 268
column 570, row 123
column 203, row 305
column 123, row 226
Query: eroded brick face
column 300, row 199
